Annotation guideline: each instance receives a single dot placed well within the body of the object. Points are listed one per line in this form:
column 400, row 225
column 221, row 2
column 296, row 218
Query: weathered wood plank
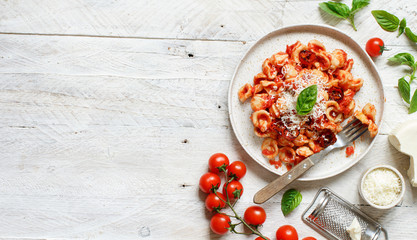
column 214, row 20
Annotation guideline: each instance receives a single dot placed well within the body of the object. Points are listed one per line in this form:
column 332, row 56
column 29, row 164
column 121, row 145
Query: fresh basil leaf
column 404, row 89
column 358, row 4
column 386, row 20
column 403, row 58
column 413, row 104
column 403, row 24
column 306, row 100
column 339, row 10
column 410, row 35
column 290, row 200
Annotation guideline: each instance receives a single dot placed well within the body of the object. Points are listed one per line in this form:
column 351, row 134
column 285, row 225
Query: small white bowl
column 395, row 202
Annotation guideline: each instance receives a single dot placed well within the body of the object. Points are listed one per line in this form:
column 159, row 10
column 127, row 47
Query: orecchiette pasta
column 287, row 155
column 261, row 119
column 245, row 92
column 259, row 101
column 291, row 137
column 270, row 148
column 269, row 69
column 367, row 117
column 338, row 59
column 304, row 151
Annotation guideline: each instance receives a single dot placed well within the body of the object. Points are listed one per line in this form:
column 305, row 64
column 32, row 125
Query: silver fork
column 349, row 133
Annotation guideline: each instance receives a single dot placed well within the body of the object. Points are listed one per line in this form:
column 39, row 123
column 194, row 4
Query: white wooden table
column 110, row 109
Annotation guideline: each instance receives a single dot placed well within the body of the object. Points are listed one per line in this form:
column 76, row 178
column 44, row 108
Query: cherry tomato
column 255, row 215
column 219, row 223
column 218, row 160
column 286, row 232
column 215, row 202
column 375, row 47
column 260, row 238
column 309, row 238
column 237, row 170
column 208, row 181
column 234, row 186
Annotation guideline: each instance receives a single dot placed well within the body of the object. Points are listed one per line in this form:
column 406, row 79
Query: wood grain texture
column 109, row 111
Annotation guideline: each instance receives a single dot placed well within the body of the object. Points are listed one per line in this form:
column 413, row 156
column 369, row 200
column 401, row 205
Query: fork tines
column 354, row 130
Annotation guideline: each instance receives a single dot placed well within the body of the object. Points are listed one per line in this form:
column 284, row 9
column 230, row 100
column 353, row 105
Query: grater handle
column 281, row 182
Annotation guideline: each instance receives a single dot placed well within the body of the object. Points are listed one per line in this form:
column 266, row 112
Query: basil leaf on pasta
column 410, row 35
column 403, row 24
column 358, row 4
column 413, row 103
column 306, row 100
column 403, row 58
column 339, row 10
column 404, row 89
column 386, row 20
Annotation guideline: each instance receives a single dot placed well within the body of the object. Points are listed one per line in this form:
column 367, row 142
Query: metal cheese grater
column 330, row 215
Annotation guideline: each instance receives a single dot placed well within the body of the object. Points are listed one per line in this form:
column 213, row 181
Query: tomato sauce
column 276, row 163
column 267, row 152
column 349, row 151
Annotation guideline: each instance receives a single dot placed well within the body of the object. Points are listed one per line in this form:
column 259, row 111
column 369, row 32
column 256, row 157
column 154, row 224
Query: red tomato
column 255, row 215
column 215, row 202
column 237, row 170
column 375, row 47
column 260, row 238
column 309, row 238
column 219, row 223
column 233, row 187
column 216, row 161
column 286, row 232
column 209, row 181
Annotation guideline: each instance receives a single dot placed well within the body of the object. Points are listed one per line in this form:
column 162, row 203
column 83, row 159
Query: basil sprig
column 413, row 103
column 410, row 34
column 403, row 58
column 403, row 85
column 386, row 20
column 290, row 200
column 403, row 24
column 341, row 10
column 306, row 100
column 389, row 22
column 404, row 89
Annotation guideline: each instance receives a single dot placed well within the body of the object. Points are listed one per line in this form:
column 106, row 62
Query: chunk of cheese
column 404, row 139
column 354, row 230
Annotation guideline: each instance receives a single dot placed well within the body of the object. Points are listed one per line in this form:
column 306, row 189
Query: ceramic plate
column 371, row 91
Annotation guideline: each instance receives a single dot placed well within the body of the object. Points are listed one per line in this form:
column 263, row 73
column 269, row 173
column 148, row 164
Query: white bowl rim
column 394, row 203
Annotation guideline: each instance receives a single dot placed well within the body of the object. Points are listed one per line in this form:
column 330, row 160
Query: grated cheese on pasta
column 289, row 117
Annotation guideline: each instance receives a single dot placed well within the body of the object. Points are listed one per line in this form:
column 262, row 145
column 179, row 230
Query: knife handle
column 278, row 184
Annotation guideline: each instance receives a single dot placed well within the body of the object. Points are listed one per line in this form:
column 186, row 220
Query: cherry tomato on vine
column 219, row 223
column 208, row 181
column 237, row 170
column 260, row 238
column 255, row 215
column 218, row 160
column 309, row 238
column 214, row 201
column 234, row 187
column 286, row 232
column 375, row 47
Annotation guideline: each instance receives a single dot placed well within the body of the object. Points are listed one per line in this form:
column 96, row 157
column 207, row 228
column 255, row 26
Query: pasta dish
column 289, row 134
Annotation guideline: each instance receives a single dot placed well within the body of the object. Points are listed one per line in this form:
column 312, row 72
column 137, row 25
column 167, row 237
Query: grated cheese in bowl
column 382, row 187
